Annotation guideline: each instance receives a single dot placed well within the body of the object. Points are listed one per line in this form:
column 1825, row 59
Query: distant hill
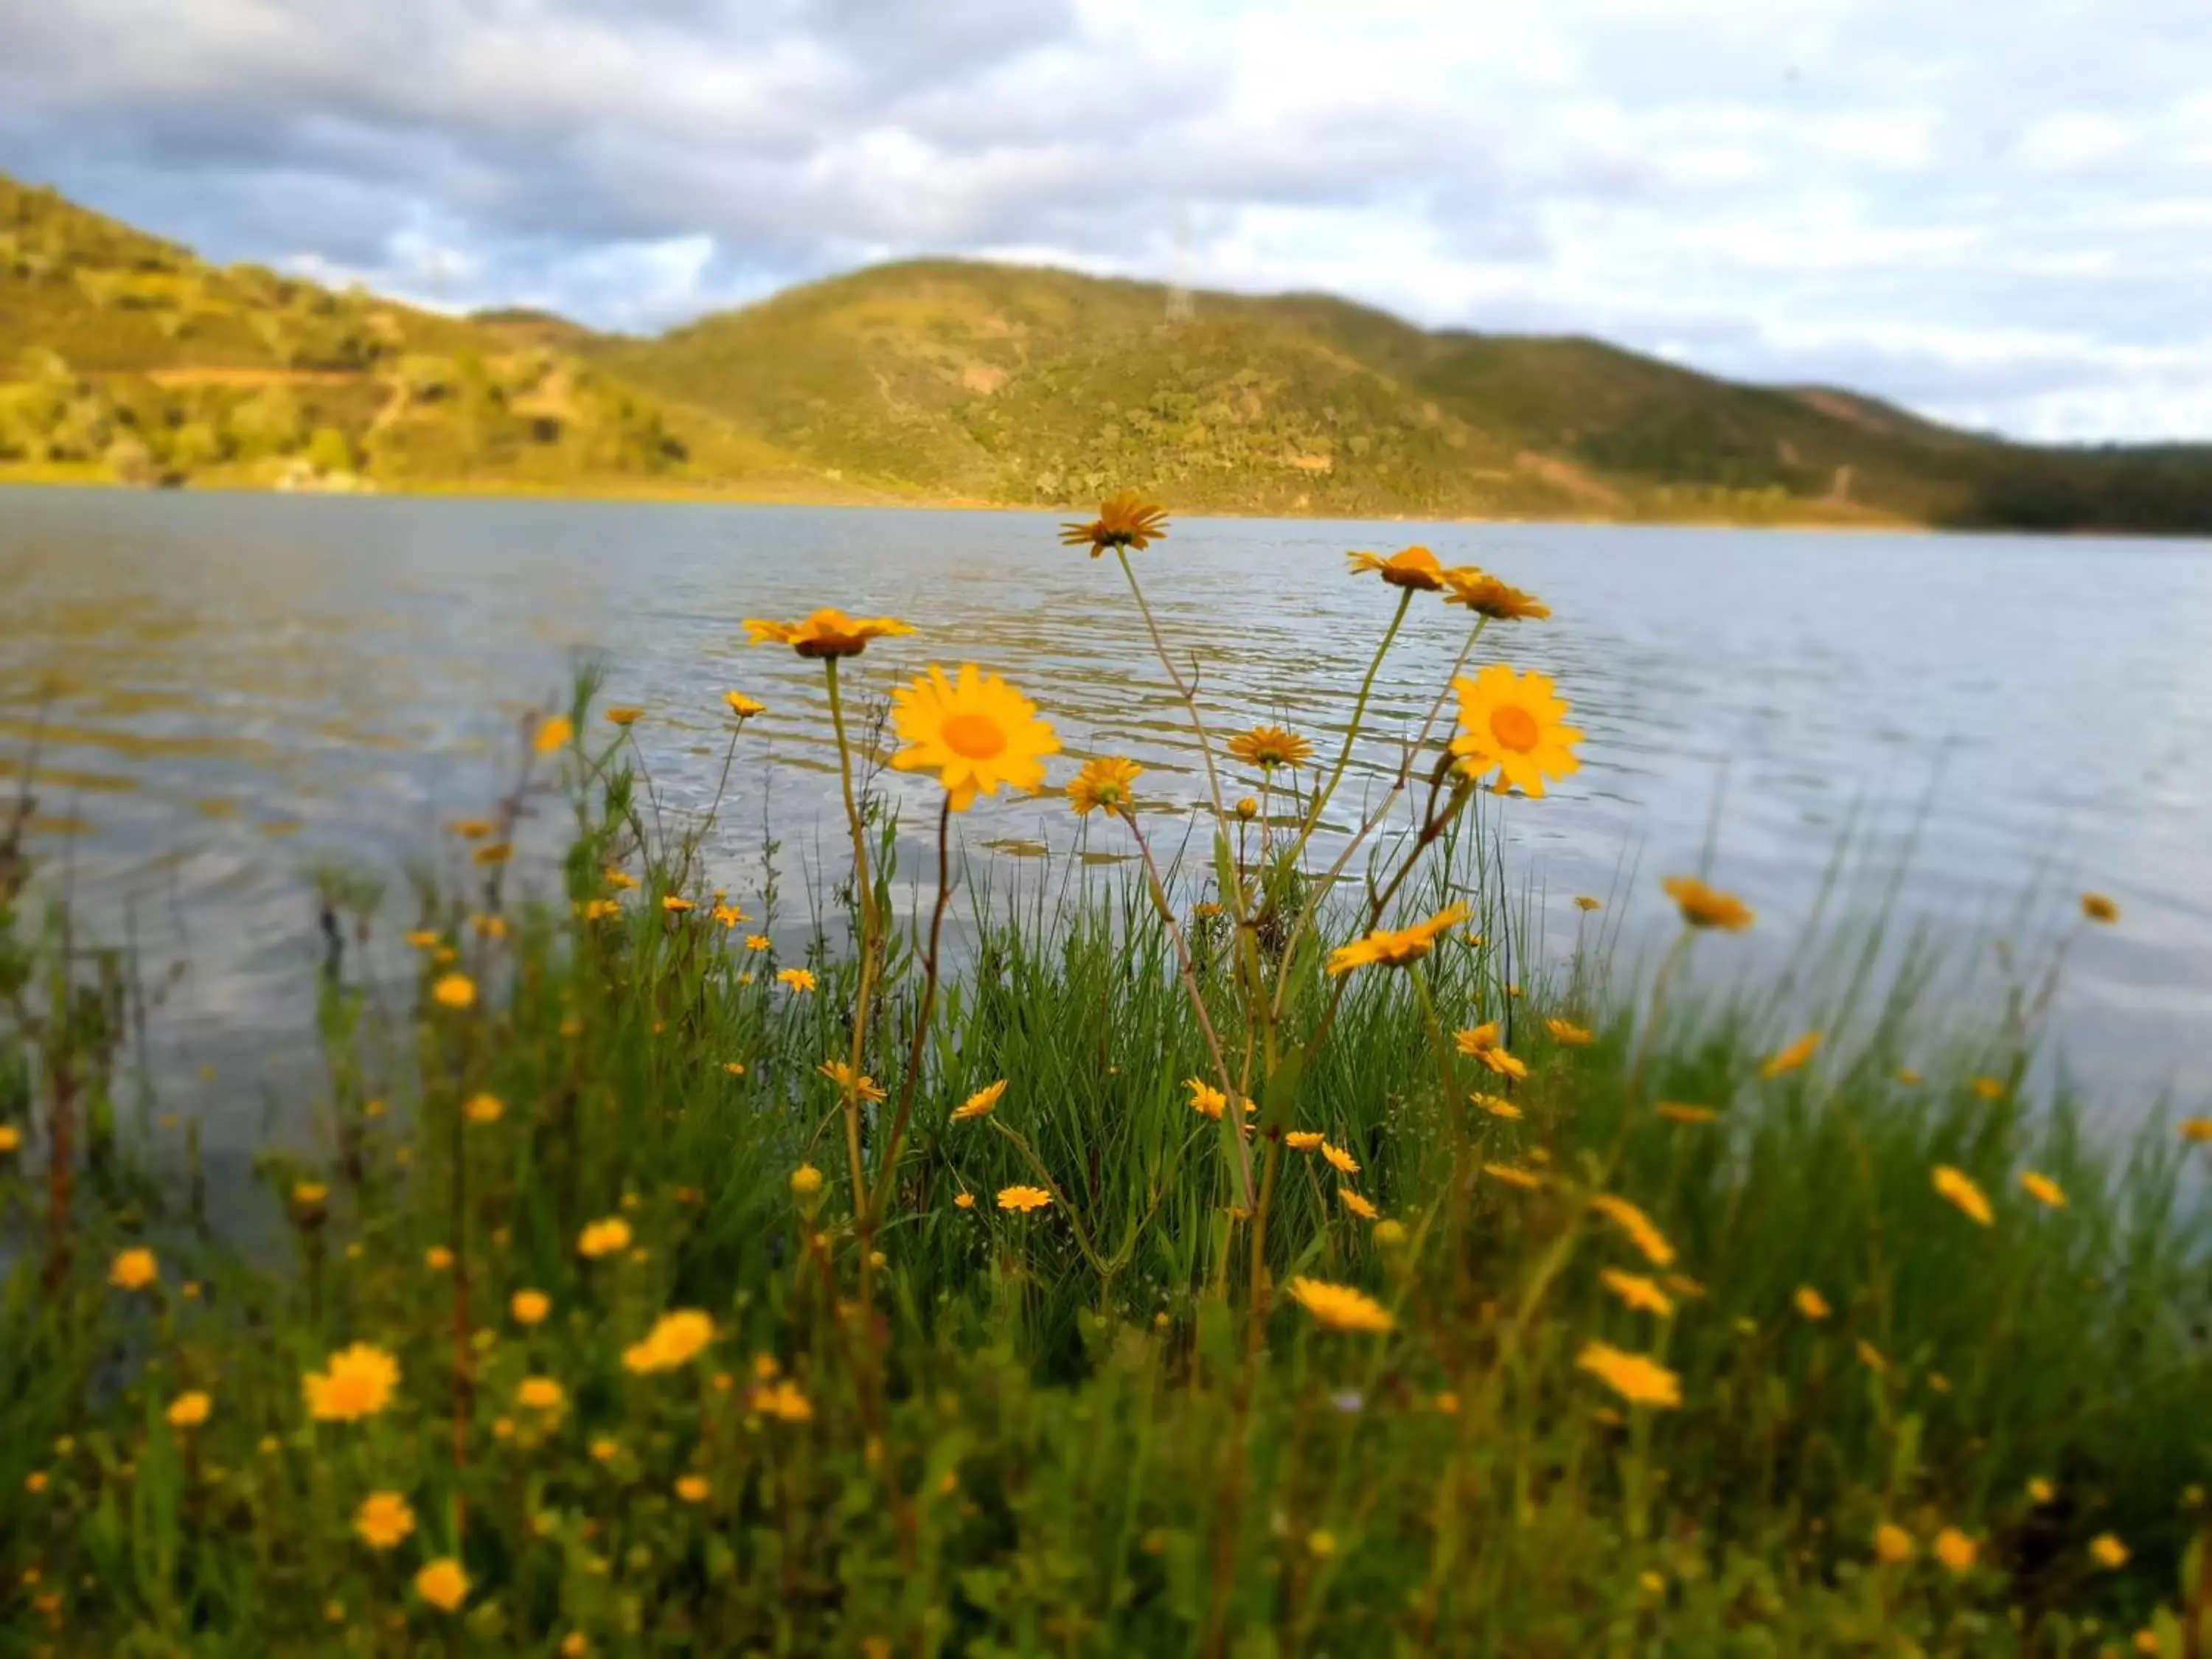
column 123, row 355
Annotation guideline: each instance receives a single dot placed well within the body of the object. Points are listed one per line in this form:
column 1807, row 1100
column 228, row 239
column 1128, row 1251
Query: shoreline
column 738, row 495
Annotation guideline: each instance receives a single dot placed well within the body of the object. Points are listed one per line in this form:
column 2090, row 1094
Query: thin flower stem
column 1375, row 819
column 1455, row 1108
column 869, row 929
column 1182, row 688
column 1437, row 823
column 1352, row 731
column 1197, row 997
column 1082, row 1240
column 1674, row 954
column 889, row 1164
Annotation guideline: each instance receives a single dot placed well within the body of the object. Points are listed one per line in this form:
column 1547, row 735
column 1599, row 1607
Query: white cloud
column 1895, row 194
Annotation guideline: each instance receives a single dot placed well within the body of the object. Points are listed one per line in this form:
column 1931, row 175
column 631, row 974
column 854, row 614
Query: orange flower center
column 974, row 736
column 1515, row 728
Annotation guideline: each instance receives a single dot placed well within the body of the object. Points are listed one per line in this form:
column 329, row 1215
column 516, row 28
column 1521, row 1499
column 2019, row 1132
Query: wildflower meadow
column 1249, row 1252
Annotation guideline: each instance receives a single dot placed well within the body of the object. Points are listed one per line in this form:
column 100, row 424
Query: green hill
column 1034, row 385
column 122, row 355
column 125, row 357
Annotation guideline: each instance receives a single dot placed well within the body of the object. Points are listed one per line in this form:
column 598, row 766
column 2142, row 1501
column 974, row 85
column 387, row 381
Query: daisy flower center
column 974, row 736
column 1515, row 728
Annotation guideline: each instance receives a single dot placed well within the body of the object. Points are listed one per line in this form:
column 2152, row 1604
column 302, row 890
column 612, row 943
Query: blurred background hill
column 125, row 358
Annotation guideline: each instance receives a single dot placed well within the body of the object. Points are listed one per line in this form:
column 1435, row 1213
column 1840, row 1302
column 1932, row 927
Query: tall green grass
column 1094, row 1428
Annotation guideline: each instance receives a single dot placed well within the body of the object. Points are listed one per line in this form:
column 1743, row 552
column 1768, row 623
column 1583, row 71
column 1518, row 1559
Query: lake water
column 237, row 688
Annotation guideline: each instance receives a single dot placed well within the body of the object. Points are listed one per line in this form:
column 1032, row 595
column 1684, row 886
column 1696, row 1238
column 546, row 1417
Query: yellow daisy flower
column 2042, row 1189
column 133, row 1270
column 1414, row 567
column 976, row 732
column 354, row 1383
column 1270, row 746
column 1340, row 1307
column 1708, row 907
column 1108, row 782
column 1638, row 1292
column 827, row 633
column 443, row 1584
column 1024, row 1199
column 1357, row 1204
column 675, row 1339
column 1648, row 1241
column 384, row 1519
column 981, row 1104
column 603, row 1238
column 1514, row 1175
column 1388, row 947
column 454, row 991
column 1958, row 1188
column 743, row 706
column 1789, row 1059
column 1484, row 594
column 1124, row 521
column 1514, row 724
column 850, row 1082
column 1637, row 1378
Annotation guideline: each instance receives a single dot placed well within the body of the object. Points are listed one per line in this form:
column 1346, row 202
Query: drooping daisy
column 1124, row 521
column 1107, row 782
column 1414, row 567
column 827, row 633
column 850, row 1082
column 1484, row 594
column 1708, row 907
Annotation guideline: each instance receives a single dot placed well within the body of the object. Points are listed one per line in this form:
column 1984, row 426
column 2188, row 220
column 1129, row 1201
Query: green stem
column 1186, row 692
column 1352, row 731
column 869, row 929
column 900, row 1119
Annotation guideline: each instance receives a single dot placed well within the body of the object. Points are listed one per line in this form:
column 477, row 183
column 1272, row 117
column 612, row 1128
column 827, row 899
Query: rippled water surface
column 237, row 689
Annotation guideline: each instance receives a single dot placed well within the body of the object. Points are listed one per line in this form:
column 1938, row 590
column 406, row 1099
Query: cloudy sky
column 2000, row 214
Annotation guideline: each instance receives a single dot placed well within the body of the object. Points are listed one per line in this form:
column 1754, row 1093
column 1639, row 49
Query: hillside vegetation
column 123, row 356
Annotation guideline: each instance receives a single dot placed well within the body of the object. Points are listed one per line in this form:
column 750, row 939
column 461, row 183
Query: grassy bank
column 1219, row 1259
